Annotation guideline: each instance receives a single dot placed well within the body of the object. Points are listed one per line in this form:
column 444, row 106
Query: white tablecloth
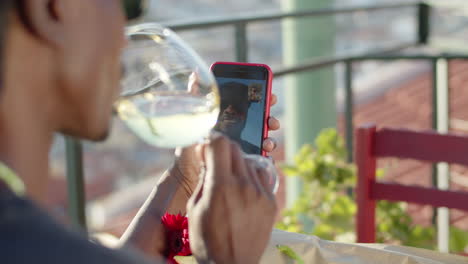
column 316, row 251
column 313, row 250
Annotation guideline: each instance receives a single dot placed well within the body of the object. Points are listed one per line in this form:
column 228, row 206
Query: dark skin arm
column 145, row 232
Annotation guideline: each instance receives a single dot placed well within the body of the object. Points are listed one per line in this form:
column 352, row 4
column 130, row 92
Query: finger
column 239, row 165
column 252, row 169
column 269, row 144
column 217, row 159
column 273, row 124
column 273, row 99
column 262, row 178
column 265, row 184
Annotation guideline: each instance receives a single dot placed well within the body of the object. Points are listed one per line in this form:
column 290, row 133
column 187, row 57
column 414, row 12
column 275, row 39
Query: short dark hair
column 235, row 94
column 5, row 6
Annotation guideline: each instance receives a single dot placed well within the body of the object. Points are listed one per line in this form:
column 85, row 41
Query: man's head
column 234, row 108
column 64, row 55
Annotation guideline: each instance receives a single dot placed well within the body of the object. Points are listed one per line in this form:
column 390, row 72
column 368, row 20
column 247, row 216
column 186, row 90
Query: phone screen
column 243, row 104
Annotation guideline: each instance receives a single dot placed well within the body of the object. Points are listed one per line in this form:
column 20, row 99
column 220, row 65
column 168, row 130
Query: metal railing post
column 75, row 179
column 434, row 127
column 424, row 24
column 349, row 106
column 434, row 93
column 241, row 42
column 441, row 175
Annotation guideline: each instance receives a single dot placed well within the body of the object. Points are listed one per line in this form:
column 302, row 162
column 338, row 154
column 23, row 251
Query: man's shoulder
column 28, row 235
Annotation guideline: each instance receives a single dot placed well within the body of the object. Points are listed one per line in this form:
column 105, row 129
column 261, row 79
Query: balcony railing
column 440, row 116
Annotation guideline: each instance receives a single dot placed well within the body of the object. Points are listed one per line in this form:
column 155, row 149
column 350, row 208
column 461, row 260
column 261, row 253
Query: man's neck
column 26, row 111
column 26, row 118
column 25, row 144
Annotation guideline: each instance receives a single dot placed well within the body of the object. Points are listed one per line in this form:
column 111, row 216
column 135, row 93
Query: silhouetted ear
column 43, row 18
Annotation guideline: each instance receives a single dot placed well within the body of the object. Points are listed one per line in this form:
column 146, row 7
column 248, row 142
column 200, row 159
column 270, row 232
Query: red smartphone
column 245, row 90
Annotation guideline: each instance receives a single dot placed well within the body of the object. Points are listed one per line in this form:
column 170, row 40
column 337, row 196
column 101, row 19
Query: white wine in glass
column 168, row 120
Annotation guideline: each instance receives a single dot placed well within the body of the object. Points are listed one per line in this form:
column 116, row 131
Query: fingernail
column 272, row 144
column 269, row 144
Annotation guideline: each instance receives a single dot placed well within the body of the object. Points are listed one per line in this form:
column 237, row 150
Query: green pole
column 310, row 97
column 75, row 179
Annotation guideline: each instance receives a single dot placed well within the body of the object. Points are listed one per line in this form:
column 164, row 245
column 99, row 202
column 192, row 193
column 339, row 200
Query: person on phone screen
column 59, row 73
column 235, row 104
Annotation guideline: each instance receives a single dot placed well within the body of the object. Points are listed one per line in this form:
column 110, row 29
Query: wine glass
column 169, row 98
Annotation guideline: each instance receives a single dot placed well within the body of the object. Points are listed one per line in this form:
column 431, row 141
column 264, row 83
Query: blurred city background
column 120, row 172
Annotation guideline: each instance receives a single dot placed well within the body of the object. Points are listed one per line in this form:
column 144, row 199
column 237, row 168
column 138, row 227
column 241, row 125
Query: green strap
column 11, row 180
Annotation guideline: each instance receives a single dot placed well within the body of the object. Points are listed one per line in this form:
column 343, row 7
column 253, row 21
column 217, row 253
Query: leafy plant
column 289, row 252
column 326, row 206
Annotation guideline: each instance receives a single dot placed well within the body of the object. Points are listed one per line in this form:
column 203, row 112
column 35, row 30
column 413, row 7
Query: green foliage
column 326, row 206
column 289, row 252
column 458, row 239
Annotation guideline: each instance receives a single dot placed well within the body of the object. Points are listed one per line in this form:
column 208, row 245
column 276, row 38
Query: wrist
column 177, row 192
column 185, row 176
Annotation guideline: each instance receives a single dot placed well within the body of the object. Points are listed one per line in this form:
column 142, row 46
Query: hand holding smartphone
column 245, row 90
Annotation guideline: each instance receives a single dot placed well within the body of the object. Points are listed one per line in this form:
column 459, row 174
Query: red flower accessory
column 177, row 236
